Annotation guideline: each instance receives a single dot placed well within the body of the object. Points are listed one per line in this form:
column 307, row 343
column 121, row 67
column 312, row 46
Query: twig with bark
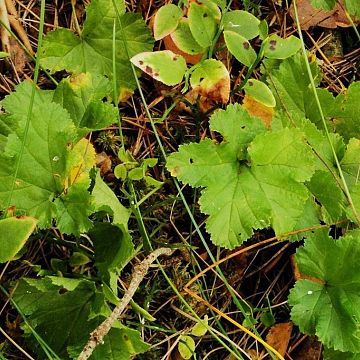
column 140, row 270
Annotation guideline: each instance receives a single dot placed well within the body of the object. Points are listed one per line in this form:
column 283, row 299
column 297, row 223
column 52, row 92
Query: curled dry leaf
column 103, row 162
column 254, row 108
column 310, row 16
column 279, row 336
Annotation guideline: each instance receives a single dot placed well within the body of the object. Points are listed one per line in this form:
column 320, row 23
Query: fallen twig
column 140, row 270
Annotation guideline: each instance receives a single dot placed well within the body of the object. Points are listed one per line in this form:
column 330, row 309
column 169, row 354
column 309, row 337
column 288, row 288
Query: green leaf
column 184, row 40
column 323, row 4
column 267, row 319
column 352, row 6
column 345, row 113
column 45, row 154
column 241, row 22
column 260, row 92
column 263, row 187
column 92, row 51
column 14, row 232
column 279, row 48
column 331, row 354
column 164, row 66
column 73, row 209
column 113, row 250
column 82, row 96
column 291, row 87
column 202, row 23
column 328, row 193
column 70, row 308
column 328, row 306
column 78, row 259
column 166, row 20
column 200, row 327
column 240, row 48
column 4, row 55
column 106, row 200
column 120, row 344
column 186, row 346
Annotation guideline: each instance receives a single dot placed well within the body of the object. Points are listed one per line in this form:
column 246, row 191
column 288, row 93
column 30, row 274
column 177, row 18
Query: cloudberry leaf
column 82, row 96
column 45, row 154
column 345, row 113
column 329, row 305
column 92, row 51
column 250, row 181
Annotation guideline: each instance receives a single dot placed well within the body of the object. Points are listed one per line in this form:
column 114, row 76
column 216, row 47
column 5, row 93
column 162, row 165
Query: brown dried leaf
column 259, row 110
column 279, row 336
column 18, row 56
column 309, row 349
column 103, row 162
column 310, row 16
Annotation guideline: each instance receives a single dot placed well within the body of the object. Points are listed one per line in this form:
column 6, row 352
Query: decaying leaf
column 103, row 162
column 309, row 16
column 210, row 84
column 165, row 66
column 254, row 108
column 279, row 336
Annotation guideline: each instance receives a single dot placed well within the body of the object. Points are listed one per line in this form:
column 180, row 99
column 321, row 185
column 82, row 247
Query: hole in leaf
column 141, row 62
column 243, row 127
column 191, row 161
column 250, row 83
column 201, row 79
column 125, row 337
column 205, row 15
column 272, row 47
column 246, row 45
column 148, row 70
column 273, row 42
column 62, row 291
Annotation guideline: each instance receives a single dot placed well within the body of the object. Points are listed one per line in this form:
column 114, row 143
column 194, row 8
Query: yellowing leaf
column 166, row 20
column 200, row 327
column 254, row 108
column 211, row 82
column 186, row 347
column 14, row 233
column 164, row 66
column 261, row 92
column 82, row 159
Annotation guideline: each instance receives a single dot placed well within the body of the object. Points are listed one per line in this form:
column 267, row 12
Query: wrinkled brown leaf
column 310, row 16
column 259, row 110
column 279, row 336
column 309, row 349
column 103, row 162
column 18, row 56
